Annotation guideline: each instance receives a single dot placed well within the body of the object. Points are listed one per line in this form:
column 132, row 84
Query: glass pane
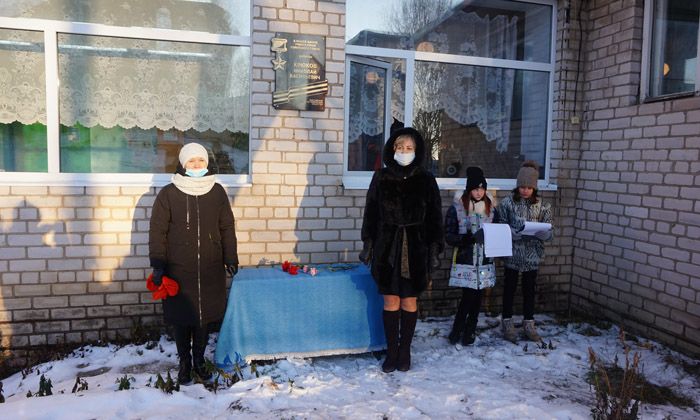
column 216, row 16
column 126, row 105
column 494, row 118
column 484, row 28
column 674, row 50
column 367, row 111
column 22, row 102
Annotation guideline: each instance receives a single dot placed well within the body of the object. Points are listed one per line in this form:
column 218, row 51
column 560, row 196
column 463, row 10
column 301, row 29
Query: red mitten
column 170, row 286
column 161, row 293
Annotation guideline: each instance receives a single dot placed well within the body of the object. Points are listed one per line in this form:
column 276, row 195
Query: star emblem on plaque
column 300, row 71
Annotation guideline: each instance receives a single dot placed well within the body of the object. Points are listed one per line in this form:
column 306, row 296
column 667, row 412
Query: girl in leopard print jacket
column 521, row 206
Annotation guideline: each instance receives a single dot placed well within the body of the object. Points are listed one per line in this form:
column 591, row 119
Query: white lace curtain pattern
column 126, row 82
column 467, row 94
column 149, row 84
column 473, row 94
column 22, row 86
column 366, row 100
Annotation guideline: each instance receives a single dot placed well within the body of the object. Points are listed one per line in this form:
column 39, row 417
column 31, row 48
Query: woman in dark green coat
column 192, row 240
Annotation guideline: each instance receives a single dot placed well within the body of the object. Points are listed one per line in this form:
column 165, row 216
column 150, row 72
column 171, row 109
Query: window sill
column 361, row 182
column 670, row 96
column 34, row 179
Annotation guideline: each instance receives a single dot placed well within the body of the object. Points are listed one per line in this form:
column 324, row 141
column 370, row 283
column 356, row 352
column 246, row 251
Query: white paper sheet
column 533, row 227
column 498, row 241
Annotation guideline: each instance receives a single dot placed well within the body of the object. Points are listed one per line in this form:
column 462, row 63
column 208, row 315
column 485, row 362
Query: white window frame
column 361, row 179
column 358, row 179
column 647, row 35
column 51, row 29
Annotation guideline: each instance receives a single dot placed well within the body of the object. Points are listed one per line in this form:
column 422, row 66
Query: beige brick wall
column 637, row 246
column 73, row 259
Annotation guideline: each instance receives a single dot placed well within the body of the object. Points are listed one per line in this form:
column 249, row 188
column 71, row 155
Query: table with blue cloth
column 271, row 314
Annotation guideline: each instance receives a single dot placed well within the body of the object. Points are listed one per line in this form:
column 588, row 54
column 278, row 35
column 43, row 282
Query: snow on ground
column 492, row 379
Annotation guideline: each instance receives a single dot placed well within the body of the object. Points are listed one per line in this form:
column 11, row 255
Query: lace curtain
column 217, row 16
column 467, row 94
column 472, row 94
column 126, row 82
column 366, row 100
column 22, row 86
column 129, row 83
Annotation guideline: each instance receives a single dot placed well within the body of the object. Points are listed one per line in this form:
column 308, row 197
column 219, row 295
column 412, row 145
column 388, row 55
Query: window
column 22, row 102
column 473, row 77
column 672, row 47
column 127, row 98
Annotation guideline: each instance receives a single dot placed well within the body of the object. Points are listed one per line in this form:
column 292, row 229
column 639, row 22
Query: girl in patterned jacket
column 521, row 206
column 471, row 270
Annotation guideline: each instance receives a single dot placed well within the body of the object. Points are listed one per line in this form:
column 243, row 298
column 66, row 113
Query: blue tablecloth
column 271, row 314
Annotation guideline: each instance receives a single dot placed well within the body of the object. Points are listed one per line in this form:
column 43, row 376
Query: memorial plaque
column 300, row 71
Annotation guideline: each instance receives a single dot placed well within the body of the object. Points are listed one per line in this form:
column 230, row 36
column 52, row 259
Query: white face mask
column 404, row 159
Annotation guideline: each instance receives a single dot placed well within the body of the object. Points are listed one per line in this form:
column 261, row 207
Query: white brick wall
column 73, row 259
column 636, row 255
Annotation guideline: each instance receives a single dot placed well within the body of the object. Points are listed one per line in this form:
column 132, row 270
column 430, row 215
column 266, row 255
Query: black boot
column 408, row 327
column 469, row 332
column 183, row 335
column 391, row 332
column 200, row 339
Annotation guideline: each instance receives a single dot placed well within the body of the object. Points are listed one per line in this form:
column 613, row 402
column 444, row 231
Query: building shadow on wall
column 23, row 263
column 323, row 224
column 312, row 215
column 144, row 318
column 326, row 233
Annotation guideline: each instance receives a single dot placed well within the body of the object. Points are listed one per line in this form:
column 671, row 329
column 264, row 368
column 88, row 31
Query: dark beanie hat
column 528, row 174
column 475, row 179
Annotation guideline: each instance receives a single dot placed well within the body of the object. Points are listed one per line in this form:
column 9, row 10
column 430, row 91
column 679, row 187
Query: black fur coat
column 403, row 200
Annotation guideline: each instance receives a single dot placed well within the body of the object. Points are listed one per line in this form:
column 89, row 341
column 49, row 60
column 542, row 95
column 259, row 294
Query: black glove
column 479, row 236
column 366, row 253
column 434, row 251
column 231, row 269
column 158, row 276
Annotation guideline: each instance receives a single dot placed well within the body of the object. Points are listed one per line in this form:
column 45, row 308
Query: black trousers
column 468, row 309
column 528, row 286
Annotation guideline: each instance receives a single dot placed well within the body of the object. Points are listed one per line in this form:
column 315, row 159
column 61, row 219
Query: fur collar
column 477, row 207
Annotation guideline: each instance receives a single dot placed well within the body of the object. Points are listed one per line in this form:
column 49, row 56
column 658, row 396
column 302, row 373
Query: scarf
column 478, row 207
column 194, row 186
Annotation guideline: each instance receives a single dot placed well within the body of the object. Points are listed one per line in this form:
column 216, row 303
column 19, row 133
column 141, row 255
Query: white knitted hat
column 191, row 150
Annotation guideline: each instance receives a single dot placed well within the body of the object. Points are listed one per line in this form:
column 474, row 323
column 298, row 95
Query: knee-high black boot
column 408, row 327
column 200, row 339
column 391, row 332
column 183, row 337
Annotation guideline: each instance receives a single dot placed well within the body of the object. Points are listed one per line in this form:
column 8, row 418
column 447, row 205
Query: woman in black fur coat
column 402, row 235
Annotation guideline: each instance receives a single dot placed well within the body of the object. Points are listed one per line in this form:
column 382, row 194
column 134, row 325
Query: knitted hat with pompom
column 475, row 179
column 528, row 174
